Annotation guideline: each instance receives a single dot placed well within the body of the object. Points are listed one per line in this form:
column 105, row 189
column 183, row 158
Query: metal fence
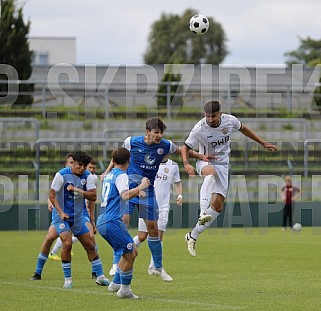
column 254, row 97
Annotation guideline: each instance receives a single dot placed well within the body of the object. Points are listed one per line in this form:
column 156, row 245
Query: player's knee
column 130, row 257
column 153, row 231
column 217, row 207
column 50, row 239
column 67, row 244
column 142, row 236
column 208, row 170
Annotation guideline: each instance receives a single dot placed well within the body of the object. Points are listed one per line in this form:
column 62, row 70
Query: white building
column 53, row 50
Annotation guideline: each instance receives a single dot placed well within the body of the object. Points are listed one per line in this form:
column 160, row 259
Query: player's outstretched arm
column 136, row 191
column 251, row 134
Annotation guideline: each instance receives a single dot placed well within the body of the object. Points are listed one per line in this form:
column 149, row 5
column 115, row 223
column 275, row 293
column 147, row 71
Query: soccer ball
column 296, row 227
column 199, row 24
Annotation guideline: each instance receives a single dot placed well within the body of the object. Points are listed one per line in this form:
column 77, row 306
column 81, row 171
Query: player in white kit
column 167, row 175
column 212, row 136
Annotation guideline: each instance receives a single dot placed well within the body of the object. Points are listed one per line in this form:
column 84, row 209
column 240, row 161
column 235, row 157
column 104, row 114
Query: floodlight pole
column 1, row 9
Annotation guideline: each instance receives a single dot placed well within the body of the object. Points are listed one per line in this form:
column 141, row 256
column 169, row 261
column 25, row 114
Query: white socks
column 198, row 229
column 136, row 240
column 58, row 245
column 207, row 189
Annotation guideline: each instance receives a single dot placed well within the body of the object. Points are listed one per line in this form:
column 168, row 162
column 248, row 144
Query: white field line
column 99, row 293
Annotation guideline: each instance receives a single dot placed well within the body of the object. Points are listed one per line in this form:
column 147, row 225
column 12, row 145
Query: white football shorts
column 221, row 177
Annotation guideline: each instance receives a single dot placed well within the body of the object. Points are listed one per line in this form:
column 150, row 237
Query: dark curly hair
column 82, row 158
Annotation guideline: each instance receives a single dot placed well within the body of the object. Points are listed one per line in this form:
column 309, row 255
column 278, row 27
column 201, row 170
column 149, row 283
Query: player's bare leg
column 97, row 268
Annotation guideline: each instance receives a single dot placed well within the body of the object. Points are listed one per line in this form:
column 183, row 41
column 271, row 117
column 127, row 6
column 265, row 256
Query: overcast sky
column 115, row 32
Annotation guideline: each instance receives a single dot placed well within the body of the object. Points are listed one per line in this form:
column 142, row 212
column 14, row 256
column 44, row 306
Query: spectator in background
column 289, row 194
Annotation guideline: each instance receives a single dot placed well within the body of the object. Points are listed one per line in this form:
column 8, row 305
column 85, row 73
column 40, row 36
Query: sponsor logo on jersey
column 148, row 160
column 221, row 141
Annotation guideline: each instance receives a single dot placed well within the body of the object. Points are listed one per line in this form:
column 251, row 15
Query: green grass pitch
column 235, row 269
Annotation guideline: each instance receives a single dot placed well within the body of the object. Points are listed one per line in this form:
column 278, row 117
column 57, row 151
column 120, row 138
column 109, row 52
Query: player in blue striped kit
column 69, row 189
column 146, row 154
column 115, row 191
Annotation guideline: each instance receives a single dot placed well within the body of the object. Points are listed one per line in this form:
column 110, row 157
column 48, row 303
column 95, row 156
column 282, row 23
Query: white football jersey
column 95, row 178
column 214, row 140
column 167, row 174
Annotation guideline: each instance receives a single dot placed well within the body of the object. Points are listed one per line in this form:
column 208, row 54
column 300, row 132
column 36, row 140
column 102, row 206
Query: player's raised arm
column 251, row 134
column 108, row 169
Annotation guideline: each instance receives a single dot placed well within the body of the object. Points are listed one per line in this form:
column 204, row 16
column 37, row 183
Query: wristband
column 179, row 197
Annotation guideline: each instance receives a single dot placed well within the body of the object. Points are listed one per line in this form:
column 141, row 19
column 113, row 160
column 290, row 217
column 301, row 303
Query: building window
column 43, row 58
column 34, row 58
column 40, row 58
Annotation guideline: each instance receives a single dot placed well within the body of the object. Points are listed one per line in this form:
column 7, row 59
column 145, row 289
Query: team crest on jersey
column 62, row 226
column 148, row 160
column 83, row 181
column 130, row 246
column 166, row 170
column 224, row 130
column 160, row 151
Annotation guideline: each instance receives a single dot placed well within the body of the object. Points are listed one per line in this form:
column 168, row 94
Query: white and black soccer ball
column 199, row 24
column 297, row 227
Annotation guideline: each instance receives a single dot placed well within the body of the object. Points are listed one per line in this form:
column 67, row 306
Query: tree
column 171, row 42
column 308, row 53
column 14, row 48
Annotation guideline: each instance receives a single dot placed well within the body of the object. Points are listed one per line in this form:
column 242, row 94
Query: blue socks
column 66, row 267
column 97, row 267
column 117, row 276
column 42, row 258
column 123, row 277
column 155, row 246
